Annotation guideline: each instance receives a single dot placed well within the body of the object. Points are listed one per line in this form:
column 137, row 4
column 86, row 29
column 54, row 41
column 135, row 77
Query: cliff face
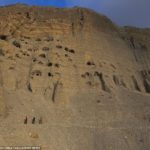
column 87, row 78
column 21, row 20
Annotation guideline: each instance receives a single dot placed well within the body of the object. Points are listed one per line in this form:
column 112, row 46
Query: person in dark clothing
column 26, row 120
column 33, row 120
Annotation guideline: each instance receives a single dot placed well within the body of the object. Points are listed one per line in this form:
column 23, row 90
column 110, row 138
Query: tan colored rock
column 87, row 78
column 34, row 135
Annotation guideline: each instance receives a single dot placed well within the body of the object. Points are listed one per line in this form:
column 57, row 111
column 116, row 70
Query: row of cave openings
column 42, row 55
column 145, row 75
column 45, row 49
column 38, row 73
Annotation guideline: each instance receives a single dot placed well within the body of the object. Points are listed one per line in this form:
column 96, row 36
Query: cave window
column 98, row 101
column 90, row 63
column 3, row 37
column 49, row 64
column 57, row 65
column 83, row 76
column 34, row 60
column 28, row 15
column 66, row 49
column 17, row 55
column 50, row 74
column 72, row 51
column 87, row 74
column 96, row 73
column 16, row 44
column 38, row 39
column 58, row 46
column 37, row 73
column 45, row 48
column 42, row 55
column 66, row 55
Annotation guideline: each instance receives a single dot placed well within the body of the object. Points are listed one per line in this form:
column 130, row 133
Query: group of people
column 33, row 121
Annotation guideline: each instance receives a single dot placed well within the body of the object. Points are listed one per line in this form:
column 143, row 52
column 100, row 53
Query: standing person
column 26, row 120
column 33, row 120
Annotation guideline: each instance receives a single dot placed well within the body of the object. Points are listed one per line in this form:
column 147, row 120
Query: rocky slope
column 87, row 79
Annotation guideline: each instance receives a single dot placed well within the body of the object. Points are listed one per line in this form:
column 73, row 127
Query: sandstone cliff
column 87, row 78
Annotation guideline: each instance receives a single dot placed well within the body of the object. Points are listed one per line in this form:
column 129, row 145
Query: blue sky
column 122, row 12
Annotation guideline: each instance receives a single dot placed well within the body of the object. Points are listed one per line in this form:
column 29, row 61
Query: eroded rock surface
column 84, row 79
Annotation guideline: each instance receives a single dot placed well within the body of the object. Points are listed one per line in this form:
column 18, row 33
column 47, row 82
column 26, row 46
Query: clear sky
column 122, row 12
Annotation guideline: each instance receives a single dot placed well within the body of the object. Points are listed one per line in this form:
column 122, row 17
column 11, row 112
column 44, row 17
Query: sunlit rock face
column 84, row 79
